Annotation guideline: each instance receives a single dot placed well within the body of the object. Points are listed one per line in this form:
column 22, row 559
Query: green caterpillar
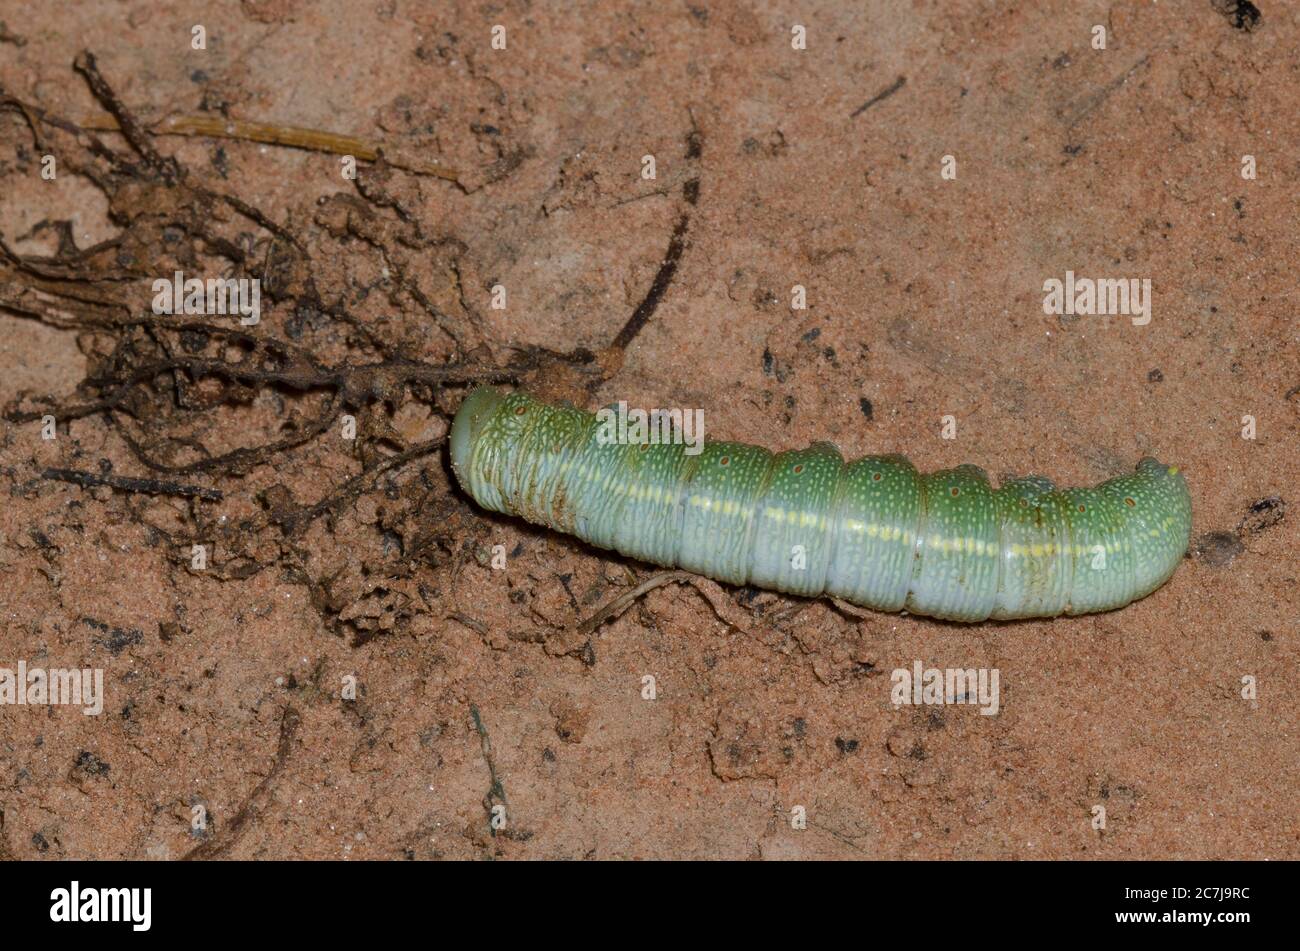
column 873, row 532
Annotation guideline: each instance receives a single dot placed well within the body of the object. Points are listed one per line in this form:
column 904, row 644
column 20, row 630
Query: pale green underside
column 874, row 532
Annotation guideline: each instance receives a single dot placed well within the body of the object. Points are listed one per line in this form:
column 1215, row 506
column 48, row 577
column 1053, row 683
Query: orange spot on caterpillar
column 798, row 469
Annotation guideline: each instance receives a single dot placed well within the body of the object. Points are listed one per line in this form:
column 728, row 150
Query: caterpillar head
column 465, row 428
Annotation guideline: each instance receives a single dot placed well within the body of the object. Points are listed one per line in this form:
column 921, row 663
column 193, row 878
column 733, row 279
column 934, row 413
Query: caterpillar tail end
column 470, row 418
column 1167, row 536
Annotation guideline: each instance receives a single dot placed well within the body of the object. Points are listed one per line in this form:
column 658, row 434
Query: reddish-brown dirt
column 812, row 167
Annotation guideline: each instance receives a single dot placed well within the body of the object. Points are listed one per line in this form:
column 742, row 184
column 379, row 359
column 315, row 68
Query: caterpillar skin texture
column 874, row 532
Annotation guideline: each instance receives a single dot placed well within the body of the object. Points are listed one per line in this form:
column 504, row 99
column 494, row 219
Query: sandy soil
column 225, row 732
